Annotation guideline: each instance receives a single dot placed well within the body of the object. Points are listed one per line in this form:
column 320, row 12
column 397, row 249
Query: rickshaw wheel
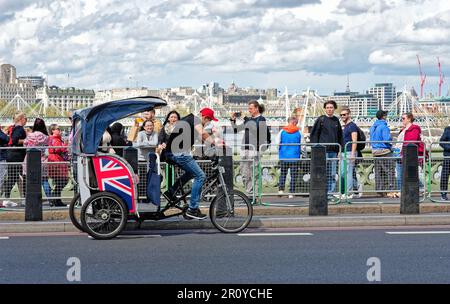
column 104, row 216
column 74, row 205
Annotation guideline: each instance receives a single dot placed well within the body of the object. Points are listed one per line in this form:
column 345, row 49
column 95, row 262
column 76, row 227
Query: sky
column 103, row 44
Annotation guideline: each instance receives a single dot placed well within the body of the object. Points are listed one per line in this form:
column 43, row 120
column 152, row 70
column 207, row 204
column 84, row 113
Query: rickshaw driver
column 178, row 148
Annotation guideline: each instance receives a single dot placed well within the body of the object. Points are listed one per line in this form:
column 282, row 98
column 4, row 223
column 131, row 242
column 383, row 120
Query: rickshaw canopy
column 89, row 124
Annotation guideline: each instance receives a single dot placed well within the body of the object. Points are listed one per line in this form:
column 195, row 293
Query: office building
column 66, row 99
column 385, row 92
column 7, row 74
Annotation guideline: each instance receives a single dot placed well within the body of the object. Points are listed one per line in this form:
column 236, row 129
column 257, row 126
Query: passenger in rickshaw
column 105, row 145
column 177, row 143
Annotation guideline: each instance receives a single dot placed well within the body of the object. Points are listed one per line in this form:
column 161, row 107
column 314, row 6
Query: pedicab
column 107, row 183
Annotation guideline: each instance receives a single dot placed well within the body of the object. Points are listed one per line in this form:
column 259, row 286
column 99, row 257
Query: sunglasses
column 343, row 115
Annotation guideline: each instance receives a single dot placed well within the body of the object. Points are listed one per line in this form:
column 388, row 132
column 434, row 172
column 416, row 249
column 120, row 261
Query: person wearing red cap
column 207, row 118
column 178, row 147
column 208, row 113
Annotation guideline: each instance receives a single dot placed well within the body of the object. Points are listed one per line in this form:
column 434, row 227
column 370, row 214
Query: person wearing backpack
column 327, row 130
column 350, row 153
column 384, row 164
column 16, row 154
column 4, row 139
column 410, row 133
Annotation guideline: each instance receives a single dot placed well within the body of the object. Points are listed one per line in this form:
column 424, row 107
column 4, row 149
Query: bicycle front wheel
column 231, row 216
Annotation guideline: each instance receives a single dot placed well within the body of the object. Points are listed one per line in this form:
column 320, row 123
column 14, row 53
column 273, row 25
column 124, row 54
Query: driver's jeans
column 192, row 170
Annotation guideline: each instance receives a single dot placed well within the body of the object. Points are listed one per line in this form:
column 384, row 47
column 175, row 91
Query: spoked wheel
column 74, row 212
column 104, row 216
column 210, row 195
column 233, row 216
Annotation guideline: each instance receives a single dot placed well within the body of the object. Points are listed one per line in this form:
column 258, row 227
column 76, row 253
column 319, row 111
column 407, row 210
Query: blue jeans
column 398, row 169
column 192, row 170
column 350, row 167
column 47, row 188
column 331, row 172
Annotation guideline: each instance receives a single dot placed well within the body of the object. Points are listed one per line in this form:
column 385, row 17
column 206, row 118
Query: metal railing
column 57, row 177
column 378, row 174
column 271, row 169
column 261, row 172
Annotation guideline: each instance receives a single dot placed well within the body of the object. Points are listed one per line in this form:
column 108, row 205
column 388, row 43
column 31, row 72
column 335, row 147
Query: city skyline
column 256, row 43
column 40, row 81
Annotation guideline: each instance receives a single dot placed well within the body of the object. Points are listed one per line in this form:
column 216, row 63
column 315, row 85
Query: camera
column 237, row 114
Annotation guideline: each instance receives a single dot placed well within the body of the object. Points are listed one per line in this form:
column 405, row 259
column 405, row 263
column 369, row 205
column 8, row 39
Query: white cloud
column 165, row 42
column 379, row 57
column 356, row 7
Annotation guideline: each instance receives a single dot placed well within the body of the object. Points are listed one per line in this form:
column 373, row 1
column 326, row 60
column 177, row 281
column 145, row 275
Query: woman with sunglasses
column 410, row 134
column 59, row 173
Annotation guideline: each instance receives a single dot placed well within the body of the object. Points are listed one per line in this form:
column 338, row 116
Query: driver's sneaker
column 195, row 214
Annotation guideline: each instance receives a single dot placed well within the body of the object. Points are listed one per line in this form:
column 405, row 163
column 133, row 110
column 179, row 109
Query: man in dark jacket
column 256, row 139
column 444, row 142
column 327, row 130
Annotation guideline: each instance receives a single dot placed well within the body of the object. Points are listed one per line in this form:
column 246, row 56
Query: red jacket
column 413, row 134
column 56, row 155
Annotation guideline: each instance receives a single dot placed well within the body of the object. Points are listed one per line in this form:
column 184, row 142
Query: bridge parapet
column 365, row 122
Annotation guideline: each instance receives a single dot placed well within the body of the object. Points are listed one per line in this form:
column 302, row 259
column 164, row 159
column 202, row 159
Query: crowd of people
column 345, row 137
column 149, row 135
column 13, row 162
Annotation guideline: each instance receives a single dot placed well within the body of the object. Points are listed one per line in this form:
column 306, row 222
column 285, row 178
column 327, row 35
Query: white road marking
column 133, row 236
column 4, row 237
column 417, row 232
column 276, row 234
column 138, row 236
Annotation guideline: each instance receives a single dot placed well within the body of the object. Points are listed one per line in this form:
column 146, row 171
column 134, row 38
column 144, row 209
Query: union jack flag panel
column 113, row 176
